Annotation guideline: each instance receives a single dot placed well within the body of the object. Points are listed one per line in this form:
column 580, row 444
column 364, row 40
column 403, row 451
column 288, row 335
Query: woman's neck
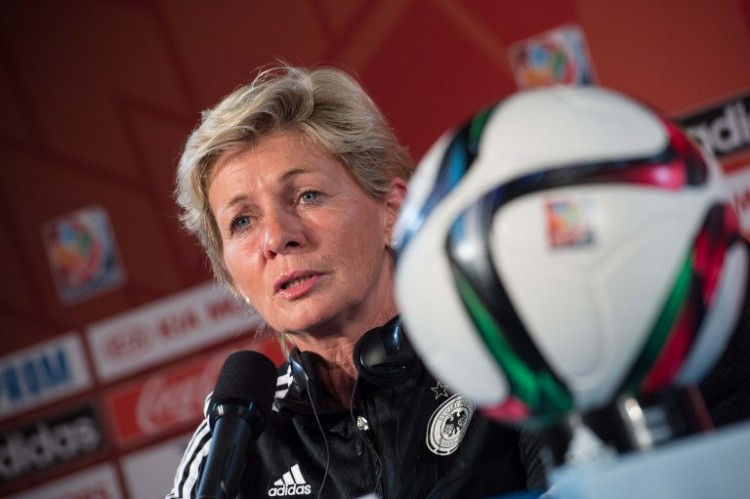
column 335, row 368
column 338, row 381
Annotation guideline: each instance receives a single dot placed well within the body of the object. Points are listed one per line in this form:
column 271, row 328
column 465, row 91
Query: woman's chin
column 308, row 324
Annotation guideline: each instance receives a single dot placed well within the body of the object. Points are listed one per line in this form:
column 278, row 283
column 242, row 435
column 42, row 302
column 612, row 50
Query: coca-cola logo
column 165, row 401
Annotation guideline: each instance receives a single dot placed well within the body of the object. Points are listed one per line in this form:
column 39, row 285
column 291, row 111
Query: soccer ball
column 564, row 246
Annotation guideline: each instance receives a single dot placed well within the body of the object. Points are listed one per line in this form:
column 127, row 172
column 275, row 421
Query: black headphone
column 382, row 356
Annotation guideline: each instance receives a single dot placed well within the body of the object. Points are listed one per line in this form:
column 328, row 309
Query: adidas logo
column 292, row 483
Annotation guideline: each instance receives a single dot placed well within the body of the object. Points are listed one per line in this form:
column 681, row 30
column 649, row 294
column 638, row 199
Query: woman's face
column 301, row 239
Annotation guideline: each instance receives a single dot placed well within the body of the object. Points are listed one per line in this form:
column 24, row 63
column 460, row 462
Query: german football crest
column 448, row 425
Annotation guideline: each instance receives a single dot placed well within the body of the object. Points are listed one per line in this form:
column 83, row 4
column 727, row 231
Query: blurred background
column 112, row 332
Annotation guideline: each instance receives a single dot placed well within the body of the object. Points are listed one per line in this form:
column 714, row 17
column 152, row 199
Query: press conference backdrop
column 112, row 332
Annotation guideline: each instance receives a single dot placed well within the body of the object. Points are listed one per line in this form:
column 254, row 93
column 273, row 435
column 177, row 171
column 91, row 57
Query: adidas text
column 724, row 129
column 292, row 483
column 289, row 490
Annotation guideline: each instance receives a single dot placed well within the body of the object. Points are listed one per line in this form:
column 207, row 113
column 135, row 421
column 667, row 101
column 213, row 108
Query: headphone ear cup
column 384, row 356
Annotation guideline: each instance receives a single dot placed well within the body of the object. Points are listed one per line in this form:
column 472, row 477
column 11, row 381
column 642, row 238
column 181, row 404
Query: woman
column 292, row 185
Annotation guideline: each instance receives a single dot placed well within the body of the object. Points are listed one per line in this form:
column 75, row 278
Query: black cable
column 322, row 432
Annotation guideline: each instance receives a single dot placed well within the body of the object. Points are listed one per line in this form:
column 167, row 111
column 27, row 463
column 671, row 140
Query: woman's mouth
column 297, row 286
column 295, row 281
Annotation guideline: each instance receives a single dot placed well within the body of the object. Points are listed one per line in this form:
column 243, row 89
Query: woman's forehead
column 277, row 162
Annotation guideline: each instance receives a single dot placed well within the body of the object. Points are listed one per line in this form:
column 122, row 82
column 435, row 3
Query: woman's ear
column 393, row 201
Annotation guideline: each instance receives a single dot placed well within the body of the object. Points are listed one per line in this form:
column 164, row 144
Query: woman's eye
column 309, row 197
column 239, row 223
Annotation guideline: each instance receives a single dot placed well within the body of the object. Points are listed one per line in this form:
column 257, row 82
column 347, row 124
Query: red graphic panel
column 173, row 397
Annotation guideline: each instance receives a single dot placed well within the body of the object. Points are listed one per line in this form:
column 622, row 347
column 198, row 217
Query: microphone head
column 239, row 405
column 247, row 378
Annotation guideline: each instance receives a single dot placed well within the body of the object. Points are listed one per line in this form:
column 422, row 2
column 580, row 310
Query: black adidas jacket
column 410, row 439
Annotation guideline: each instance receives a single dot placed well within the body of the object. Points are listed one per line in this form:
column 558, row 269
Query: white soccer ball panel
column 552, row 297
column 631, row 288
column 585, row 304
column 537, row 130
column 421, row 185
column 438, row 325
column 523, row 142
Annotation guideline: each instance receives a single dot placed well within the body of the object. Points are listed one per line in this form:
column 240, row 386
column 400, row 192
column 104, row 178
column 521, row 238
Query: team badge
column 448, row 425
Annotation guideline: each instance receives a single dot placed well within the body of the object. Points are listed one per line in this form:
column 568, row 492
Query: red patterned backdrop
column 111, row 330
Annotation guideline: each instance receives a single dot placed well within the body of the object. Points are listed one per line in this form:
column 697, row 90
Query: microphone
column 239, row 405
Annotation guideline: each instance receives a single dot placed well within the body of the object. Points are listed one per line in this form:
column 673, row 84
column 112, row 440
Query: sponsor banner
column 49, row 443
column 82, row 254
column 42, row 374
column 559, row 56
column 739, row 181
column 94, row 483
column 146, row 336
column 722, row 127
column 150, row 472
column 174, row 396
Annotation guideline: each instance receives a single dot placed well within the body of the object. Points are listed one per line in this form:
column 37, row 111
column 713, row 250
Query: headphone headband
column 382, row 356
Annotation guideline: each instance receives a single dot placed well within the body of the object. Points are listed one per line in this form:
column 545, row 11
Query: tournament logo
column 559, row 56
column 82, row 254
column 568, row 223
column 448, row 425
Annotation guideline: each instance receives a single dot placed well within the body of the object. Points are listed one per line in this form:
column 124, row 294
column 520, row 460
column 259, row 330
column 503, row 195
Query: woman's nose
column 282, row 233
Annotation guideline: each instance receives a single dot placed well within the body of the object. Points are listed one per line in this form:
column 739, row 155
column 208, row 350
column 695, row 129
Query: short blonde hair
column 324, row 105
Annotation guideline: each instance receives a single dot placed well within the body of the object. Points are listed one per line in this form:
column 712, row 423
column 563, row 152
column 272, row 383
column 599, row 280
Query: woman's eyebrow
column 285, row 177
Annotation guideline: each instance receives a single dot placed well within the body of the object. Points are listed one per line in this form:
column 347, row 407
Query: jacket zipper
column 374, row 457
